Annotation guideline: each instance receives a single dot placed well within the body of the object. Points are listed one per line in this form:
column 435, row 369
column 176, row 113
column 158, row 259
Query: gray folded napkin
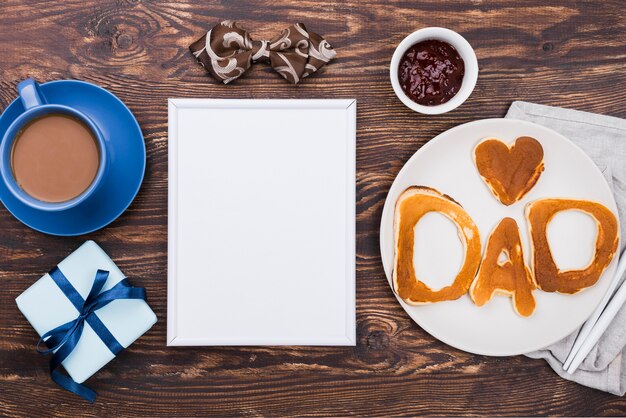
column 603, row 138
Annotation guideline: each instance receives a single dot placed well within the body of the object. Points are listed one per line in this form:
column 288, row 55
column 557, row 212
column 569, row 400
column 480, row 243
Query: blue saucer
column 126, row 153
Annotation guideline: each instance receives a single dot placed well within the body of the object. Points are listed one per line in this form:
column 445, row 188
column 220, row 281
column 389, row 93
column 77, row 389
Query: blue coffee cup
column 36, row 106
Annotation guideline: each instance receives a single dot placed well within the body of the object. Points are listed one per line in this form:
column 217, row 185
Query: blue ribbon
column 62, row 340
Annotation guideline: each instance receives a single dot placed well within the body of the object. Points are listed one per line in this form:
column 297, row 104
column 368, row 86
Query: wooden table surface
column 563, row 53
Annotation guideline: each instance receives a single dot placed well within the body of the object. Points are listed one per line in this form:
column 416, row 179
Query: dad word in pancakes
column 502, row 269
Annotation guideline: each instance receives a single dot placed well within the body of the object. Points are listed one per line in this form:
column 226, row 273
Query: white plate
column 446, row 164
column 261, row 222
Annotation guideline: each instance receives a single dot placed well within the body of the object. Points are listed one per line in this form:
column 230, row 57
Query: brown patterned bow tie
column 227, row 51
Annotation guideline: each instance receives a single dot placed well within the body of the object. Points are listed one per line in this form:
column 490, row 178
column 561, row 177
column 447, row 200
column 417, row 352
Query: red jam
column 431, row 72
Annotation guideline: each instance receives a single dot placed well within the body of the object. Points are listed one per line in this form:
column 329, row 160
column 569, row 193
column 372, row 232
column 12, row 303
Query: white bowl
column 464, row 49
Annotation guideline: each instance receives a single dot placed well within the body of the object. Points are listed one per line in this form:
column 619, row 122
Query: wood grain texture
column 564, row 53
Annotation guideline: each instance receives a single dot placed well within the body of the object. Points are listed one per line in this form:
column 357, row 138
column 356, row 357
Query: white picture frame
column 261, row 222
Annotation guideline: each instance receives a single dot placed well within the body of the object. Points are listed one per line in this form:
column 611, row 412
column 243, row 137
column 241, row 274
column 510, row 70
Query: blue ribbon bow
column 64, row 338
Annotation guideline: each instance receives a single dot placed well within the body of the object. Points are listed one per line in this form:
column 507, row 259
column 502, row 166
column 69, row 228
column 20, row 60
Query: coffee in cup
column 55, row 158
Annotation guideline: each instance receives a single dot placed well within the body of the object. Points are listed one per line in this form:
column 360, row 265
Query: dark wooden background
column 563, row 53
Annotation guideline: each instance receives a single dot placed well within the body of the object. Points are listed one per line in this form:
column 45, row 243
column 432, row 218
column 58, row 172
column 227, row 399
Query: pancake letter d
column 411, row 206
column 547, row 275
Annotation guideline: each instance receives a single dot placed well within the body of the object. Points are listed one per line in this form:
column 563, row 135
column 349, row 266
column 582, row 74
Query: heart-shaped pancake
column 509, row 171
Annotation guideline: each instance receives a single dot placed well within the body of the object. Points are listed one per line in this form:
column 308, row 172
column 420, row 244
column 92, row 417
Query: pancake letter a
column 503, row 270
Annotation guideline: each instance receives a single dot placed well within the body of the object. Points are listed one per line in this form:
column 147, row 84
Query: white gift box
column 45, row 306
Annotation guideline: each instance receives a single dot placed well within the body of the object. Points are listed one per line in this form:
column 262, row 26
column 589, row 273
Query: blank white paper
column 261, row 222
